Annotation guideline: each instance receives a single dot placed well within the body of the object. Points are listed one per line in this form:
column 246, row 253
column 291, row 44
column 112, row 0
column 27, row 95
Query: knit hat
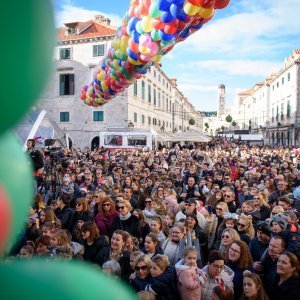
column 83, row 190
column 281, row 219
column 264, row 227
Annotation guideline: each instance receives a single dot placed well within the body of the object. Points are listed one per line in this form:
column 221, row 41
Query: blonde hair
column 126, row 203
column 276, row 210
column 233, row 233
column 249, row 226
column 162, row 261
column 146, row 295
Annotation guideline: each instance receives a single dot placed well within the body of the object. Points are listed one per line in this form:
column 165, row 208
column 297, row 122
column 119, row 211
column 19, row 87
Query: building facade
column 154, row 101
column 272, row 107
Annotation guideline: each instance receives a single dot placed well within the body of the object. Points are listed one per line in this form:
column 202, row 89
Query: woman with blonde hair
column 262, row 206
column 126, row 220
column 245, row 228
column 276, row 210
column 229, row 235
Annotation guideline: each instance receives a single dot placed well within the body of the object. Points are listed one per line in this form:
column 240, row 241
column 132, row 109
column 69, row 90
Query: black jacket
column 165, row 285
column 91, row 251
column 130, row 225
column 65, row 216
column 289, row 289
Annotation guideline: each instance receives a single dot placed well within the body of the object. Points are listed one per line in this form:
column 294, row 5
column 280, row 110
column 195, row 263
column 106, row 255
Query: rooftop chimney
column 102, row 20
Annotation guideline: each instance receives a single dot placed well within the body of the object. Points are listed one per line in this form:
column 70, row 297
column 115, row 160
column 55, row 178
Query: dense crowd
column 216, row 220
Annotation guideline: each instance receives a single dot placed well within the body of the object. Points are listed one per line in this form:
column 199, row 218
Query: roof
column 87, row 29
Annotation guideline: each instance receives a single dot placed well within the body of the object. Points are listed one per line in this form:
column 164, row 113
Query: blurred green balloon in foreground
column 16, row 178
column 50, row 280
column 25, row 55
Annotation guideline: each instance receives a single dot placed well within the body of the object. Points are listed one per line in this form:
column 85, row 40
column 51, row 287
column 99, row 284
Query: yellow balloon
column 134, row 62
column 190, row 9
column 101, row 76
column 118, row 53
column 124, row 43
column 147, row 24
column 116, row 43
column 205, row 12
column 156, row 57
column 143, row 49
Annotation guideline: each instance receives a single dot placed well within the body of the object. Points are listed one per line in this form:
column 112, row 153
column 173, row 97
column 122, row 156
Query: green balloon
column 16, row 177
column 59, row 280
column 26, row 58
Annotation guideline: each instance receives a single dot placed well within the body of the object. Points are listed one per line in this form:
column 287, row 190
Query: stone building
column 154, row 101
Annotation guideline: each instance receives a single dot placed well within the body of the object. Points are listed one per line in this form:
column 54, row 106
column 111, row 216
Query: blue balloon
column 178, row 12
column 184, row 33
column 131, row 54
column 167, row 17
column 131, row 24
column 135, row 36
column 177, row 2
column 165, row 37
column 163, row 5
column 197, row 26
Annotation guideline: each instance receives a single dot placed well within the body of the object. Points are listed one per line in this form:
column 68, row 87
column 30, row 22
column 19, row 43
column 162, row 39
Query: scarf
column 126, row 217
column 220, row 282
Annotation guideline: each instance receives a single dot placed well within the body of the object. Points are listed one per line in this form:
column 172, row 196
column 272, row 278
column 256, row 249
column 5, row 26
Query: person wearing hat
column 281, row 227
column 191, row 208
column 260, row 243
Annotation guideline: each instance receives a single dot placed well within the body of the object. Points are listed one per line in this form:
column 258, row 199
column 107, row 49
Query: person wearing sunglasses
column 141, row 278
column 106, row 215
column 126, row 220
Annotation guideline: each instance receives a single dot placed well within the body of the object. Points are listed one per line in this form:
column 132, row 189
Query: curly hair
column 245, row 259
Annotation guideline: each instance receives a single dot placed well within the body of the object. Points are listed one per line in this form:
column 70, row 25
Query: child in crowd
column 189, row 276
column 170, row 200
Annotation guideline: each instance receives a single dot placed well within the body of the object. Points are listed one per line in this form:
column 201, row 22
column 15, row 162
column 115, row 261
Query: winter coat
column 164, row 285
column 65, row 216
column 104, row 222
column 189, row 281
column 91, row 251
column 289, row 289
column 131, row 225
column 207, row 288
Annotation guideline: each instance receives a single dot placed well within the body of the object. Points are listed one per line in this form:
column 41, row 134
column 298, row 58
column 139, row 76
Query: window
column 159, row 78
column 277, row 113
column 98, row 50
column 277, row 84
column 272, row 114
column 71, row 30
column 65, row 53
column 66, row 84
column 289, row 76
column 149, row 120
column 282, row 80
column 154, row 96
column 143, row 89
column 97, row 116
column 288, row 109
column 143, row 119
column 154, row 73
column 149, row 93
column 135, row 117
column 64, row 116
column 158, row 99
column 282, row 111
column 135, row 88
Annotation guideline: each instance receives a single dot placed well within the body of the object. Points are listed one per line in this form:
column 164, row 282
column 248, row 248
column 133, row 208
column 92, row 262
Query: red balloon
column 207, row 3
column 194, row 2
column 171, row 28
column 5, row 218
column 157, row 24
column 219, row 4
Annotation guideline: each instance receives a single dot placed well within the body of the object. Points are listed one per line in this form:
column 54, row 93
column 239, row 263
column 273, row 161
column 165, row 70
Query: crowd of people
column 216, row 220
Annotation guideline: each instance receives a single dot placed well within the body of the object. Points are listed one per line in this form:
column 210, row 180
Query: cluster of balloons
column 36, row 35
column 150, row 29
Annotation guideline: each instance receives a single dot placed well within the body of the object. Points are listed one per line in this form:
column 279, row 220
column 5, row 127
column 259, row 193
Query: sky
column 241, row 46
